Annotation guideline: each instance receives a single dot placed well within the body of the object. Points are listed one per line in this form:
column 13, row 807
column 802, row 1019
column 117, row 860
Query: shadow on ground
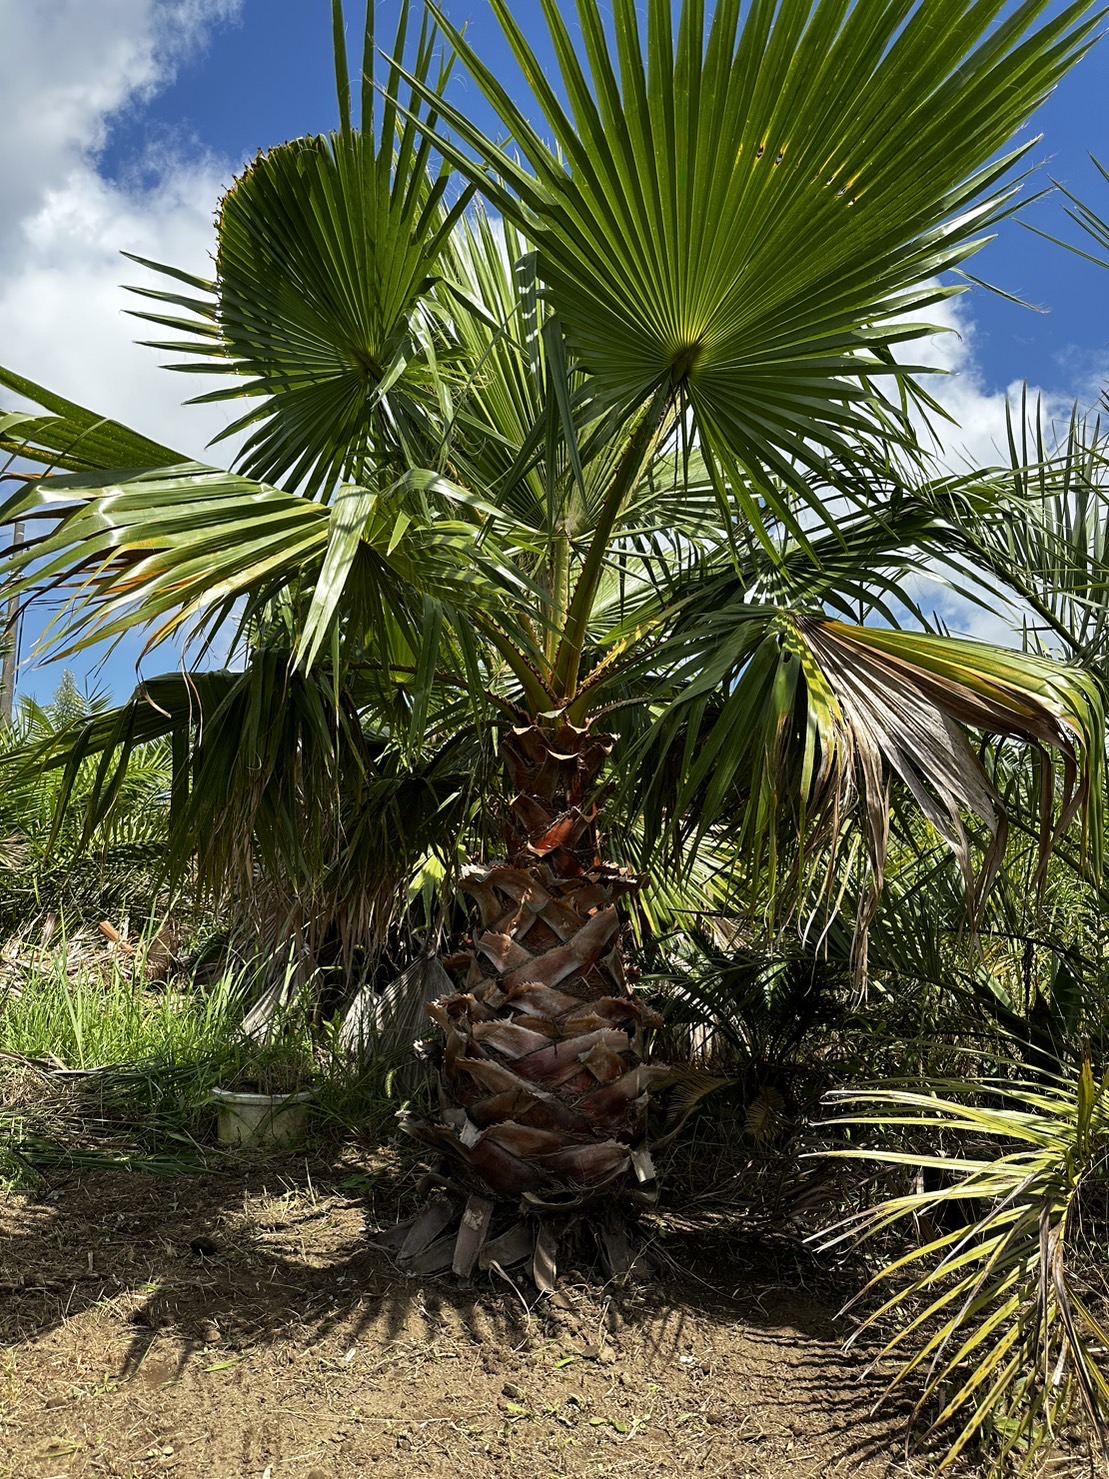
column 263, row 1277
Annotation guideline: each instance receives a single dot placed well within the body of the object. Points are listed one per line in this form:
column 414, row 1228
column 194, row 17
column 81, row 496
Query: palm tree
column 612, row 468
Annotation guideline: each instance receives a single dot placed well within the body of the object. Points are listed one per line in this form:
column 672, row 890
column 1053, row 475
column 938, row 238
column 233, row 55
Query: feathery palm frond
column 997, row 1313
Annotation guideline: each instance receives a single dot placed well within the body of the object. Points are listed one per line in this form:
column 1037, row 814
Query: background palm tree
column 599, row 474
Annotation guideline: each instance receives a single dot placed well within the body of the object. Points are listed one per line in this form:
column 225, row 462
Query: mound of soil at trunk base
column 240, row 1325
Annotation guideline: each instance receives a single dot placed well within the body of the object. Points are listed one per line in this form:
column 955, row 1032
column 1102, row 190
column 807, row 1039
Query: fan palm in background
column 616, row 464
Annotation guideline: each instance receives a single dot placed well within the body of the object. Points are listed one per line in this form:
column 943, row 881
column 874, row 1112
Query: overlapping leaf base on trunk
column 545, row 1087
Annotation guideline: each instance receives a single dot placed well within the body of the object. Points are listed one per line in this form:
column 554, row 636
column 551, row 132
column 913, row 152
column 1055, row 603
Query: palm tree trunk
column 544, row 1087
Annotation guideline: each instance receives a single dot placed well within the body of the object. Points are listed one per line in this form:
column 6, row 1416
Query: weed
column 99, row 1068
column 102, row 1015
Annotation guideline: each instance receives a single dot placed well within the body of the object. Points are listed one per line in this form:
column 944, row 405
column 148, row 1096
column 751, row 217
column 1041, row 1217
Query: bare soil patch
column 242, row 1326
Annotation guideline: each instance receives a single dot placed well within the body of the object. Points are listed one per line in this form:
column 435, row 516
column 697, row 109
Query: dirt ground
column 242, row 1326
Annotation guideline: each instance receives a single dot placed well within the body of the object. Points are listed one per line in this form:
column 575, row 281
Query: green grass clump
column 146, row 1059
column 99, row 1018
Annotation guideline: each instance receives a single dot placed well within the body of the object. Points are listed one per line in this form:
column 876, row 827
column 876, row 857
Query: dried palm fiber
column 544, row 1084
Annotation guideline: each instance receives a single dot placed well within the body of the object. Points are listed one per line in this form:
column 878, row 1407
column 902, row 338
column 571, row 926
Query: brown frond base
column 548, row 1102
column 465, row 1235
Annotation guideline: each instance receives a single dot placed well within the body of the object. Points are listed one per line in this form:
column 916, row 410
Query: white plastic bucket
column 261, row 1119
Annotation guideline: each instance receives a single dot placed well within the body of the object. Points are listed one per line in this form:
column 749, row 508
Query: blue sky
column 269, row 76
column 124, row 120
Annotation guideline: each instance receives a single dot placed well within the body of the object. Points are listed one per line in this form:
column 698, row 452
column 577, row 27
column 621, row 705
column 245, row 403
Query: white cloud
column 977, row 437
column 66, row 68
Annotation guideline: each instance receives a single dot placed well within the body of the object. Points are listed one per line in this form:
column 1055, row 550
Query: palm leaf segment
column 71, row 437
column 733, row 215
column 895, row 703
column 187, row 542
column 327, row 250
column 994, row 1316
column 821, row 716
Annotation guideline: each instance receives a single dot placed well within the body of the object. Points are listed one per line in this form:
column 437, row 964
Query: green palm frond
column 71, row 437
column 1041, row 531
column 722, row 208
column 499, row 407
column 67, row 843
column 997, row 1326
column 327, row 250
column 672, row 565
column 799, row 725
column 278, row 796
column 159, row 548
column 1092, row 222
column 182, row 544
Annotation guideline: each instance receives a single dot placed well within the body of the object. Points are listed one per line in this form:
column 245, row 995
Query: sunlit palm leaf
column 327, row 248
column 994, row 1322
column 161, row 548
column 730, row 214
column 1093, row 224
column 74, row 438
column 176, row 544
